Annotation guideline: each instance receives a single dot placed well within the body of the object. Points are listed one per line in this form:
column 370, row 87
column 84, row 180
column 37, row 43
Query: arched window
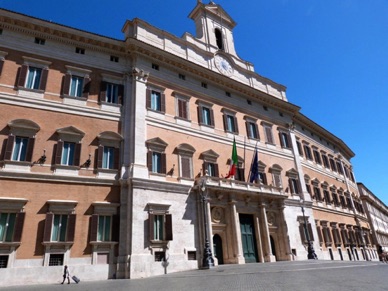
column 219, row 40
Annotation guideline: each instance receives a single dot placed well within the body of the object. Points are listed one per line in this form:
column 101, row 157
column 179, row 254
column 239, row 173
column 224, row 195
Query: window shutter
column 235, row 125
column 319, row 234
column 345, row 238
column 292, row 190
column 71, row 227
column 299, row 148
column 93, row 227
column 66, row 84
column 248, row 129
column 149, row 161
column 211, row 117
column 86, row 87
column 43, row 80
column 281, row 140
column 185, row 164
column 336, row 235
column 268, row 133
column 204, row 168
column 47, row 227
column 30, row 149
column 163, row 163
column 200, row 117
column 289, row 143
column 264, row 178
column 58, row 152
column 148, row 98
column 102, row 95
column 241, row 174
column 151, row 226
column 9, row 147
column 302, row 233
column 116, row 162
column 310, row 230
column 1, row 66
column 120, row 96
column 100, row 155
column 216, row 172
column 163, row 102
column 17, row 235
column 168, row 227
column 77, row 154
column 224, row 119
column 115, row 228
column 22, row 75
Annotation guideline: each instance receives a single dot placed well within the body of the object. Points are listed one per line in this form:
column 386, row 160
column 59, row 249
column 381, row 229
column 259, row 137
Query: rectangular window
column 182, row 108
column 317, row 194
column 307, row 152
column 104, row 228
column 204, row 85
column 285, row 140
column 262, row 178
column 206, row 116
column 155, row 67
column 40, row 41
column 114, row 59
column 156, row 100
column 160, row 256
column 33, row 78
column 68, row 154
column 112, row 93
column 156, row 162
column 182, row 77
column 252, row 131
column 160, row 227
column 294, row 185
column 20, row 149
column 339, row 168
column 3, row 262
column 325, row 161
column 76, row 85
column 59, row 227
column 79, row 50
column 332, row 165
column 299, row 146
column 7, row 226
column 108, row 158
column 211, row 169
column 230, row 123
column 277, row 180
column 317, row 157
column 326, row 194
column 56, row 260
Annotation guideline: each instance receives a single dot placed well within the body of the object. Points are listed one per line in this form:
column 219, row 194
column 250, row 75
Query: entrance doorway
column 248, row 238
column 273, row 246
column 217, row 248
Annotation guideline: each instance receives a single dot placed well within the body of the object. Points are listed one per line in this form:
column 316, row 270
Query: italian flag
column 233, row 161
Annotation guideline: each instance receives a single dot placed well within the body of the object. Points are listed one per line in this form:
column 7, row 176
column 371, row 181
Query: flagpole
column 244, row 154
column 250, row 169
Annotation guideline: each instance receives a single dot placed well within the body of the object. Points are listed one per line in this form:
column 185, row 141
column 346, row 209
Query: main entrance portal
column 248, row 238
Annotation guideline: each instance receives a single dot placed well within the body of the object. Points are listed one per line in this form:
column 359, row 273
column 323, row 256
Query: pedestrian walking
column 66, row 275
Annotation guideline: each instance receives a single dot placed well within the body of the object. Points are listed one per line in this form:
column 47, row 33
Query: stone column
column 237, row 244
column 284, row 233
column 258, row 238
column 266, row 240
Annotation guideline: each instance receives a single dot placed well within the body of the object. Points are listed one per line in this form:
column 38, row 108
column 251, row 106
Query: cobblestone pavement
column 290, row 276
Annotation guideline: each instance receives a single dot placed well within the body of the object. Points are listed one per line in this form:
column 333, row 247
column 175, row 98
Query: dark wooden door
column 248, row 238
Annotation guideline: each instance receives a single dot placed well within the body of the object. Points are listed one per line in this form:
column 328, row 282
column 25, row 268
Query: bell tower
column 214, row 27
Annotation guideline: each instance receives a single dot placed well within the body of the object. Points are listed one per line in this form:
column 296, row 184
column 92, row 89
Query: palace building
column 116, row 157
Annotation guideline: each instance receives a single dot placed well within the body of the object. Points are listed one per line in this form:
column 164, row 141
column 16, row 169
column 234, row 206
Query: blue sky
column 331, row 55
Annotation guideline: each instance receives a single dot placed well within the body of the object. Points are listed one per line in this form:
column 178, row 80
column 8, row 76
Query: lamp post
column 208, row 261
column 311, row 255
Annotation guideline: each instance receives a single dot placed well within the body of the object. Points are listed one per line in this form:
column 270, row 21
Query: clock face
column 223, row 65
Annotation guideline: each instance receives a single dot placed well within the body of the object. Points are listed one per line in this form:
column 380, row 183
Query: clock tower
column 214, row 27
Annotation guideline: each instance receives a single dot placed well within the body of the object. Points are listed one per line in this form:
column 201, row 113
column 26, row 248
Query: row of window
column 321, row 158
column 67, row 151
column 33, row 75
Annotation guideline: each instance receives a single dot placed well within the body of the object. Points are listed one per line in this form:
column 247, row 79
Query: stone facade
column 146, row 128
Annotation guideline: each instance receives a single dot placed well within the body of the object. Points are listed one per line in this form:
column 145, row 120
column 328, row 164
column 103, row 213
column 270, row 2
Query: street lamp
column 311, row 255
column 208, row 261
